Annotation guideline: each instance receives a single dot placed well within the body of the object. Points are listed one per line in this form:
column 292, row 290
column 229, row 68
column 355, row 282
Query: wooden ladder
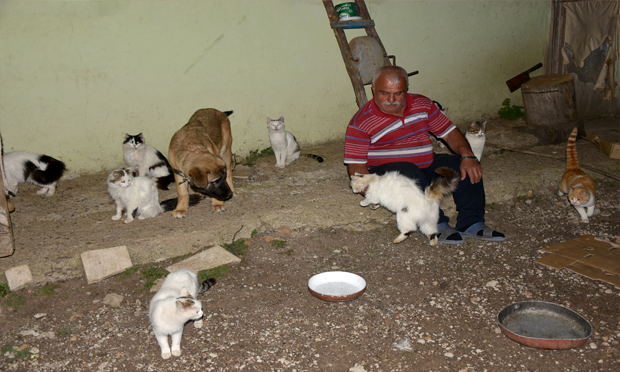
column 369, row 25
column 7, row 244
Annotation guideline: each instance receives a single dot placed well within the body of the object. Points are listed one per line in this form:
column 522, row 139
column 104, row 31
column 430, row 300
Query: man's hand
column 472, row 168
column 459, row 144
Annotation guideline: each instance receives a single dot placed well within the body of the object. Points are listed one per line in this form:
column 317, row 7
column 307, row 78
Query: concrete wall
column 75, row 76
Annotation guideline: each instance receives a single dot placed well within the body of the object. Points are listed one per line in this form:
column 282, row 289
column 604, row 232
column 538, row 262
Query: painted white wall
column 75, row 76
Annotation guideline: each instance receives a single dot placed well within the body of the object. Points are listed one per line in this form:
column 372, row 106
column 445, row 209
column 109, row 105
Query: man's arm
column 458, row 143
column 356, row 168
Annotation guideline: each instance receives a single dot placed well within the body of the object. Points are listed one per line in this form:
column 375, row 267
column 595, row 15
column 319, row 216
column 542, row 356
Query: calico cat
column 133, row 194
column 576, row 183
column 284, row 144
column 27, row 167
column 476, row 136
column 175, row 304
column 414, row 208
column 147, row 160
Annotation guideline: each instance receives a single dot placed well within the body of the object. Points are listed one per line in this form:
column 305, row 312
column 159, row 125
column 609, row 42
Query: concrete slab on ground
column 205, row 260
column 18, row 277
column 103, row 263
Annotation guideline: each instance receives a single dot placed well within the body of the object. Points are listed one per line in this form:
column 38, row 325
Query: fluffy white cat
column 415, row 209
column 175, row 304
column 284, row 144
column 133, row 194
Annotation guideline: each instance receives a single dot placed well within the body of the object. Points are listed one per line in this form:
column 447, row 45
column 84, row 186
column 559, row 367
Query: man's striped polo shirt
column 375, row 138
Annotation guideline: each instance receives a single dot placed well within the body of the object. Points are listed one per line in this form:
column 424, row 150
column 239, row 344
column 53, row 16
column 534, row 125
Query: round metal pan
column 544, row 325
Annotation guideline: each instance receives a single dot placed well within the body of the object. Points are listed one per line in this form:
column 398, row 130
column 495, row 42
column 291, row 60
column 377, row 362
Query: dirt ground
column 297, row 222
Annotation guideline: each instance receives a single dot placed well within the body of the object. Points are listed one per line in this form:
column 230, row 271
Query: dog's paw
column 179, row 213
column 218, row 208
column 116, row 217
column 280, row 165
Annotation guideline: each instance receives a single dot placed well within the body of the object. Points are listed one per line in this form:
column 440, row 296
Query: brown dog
column 200, row 155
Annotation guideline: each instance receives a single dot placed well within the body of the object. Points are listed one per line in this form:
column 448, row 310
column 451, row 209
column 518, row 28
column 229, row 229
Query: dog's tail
column 54, row 170
column 228, row 113
column 315, row 157
column 206, row 285
column 171, row 204
column 442, row 186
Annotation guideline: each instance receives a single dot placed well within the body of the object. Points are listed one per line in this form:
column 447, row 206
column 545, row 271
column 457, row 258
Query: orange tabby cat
column 578, row 185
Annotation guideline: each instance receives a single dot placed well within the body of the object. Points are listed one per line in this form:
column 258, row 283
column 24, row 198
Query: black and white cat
column 476, row 136
column 37, row 169
column 284, row 144
column 135, row 195
column 175, row 304
column 415, row 209
column 147, row 160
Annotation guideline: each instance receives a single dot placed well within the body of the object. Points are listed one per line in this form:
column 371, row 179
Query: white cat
column 414, row 208
column 284, row 144
column 27, row 167
column 147, row 160
column 175, row 304
column 133, row 195
column 476, row 136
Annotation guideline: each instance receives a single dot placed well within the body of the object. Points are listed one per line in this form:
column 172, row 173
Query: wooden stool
column 549, row 99
column 550, row 109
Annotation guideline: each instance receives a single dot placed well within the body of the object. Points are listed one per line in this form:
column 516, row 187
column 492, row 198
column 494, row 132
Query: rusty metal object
column 544, row 325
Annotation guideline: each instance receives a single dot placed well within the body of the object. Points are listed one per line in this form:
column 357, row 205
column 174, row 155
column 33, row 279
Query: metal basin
column 544, row 325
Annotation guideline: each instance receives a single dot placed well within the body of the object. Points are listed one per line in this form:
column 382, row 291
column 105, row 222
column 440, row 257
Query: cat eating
column 135, row 195
column 147, row 160
column 476, row 137
column 37, row 169
column 175, row 304
column 576, row 183
column 284, row 144
column 414, row 208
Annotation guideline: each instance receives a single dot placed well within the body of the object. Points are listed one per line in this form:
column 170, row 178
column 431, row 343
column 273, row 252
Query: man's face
column 390, row 96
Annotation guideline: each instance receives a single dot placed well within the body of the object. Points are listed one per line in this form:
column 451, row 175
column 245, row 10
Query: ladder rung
column 362, row 23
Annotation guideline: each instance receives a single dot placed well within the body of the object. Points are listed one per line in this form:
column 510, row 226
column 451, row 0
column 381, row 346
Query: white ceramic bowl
column 337, row 286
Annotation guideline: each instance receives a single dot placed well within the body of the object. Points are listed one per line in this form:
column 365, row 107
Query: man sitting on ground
column 390, row 133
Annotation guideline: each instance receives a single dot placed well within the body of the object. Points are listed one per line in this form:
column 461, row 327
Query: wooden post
column 7, row 244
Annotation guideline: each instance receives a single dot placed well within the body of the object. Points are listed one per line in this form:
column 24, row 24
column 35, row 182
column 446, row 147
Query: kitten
column 284, row 144
column 27, row 167
column 576, row 183
column 174, row 305
column 135, row 195
column 414, row 208
column 147, row 160
column 476, row 136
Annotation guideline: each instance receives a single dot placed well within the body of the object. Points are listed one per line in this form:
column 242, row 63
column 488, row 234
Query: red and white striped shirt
column 375, row 138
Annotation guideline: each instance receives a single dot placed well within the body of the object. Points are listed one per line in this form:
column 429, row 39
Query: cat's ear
column 141, row 137
column 127, row 136
column 281, row 119
column 473, row 124
column 184, row 291
column 484, row 124
column 268, row 120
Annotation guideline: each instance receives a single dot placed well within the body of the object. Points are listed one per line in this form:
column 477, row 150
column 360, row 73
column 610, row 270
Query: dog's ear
column 198, row 177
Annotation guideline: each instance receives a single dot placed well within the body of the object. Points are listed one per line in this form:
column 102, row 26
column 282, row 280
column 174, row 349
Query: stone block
column 18, row 277
column 103, row 263
column 205, row 260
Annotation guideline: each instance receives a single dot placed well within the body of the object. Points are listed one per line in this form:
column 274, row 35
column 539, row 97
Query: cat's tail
column 163, row 182
column 571, row 151
column 52, row 173
column 442, row 186
column 315, row 157
column 170, row 204
column 206, row 285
